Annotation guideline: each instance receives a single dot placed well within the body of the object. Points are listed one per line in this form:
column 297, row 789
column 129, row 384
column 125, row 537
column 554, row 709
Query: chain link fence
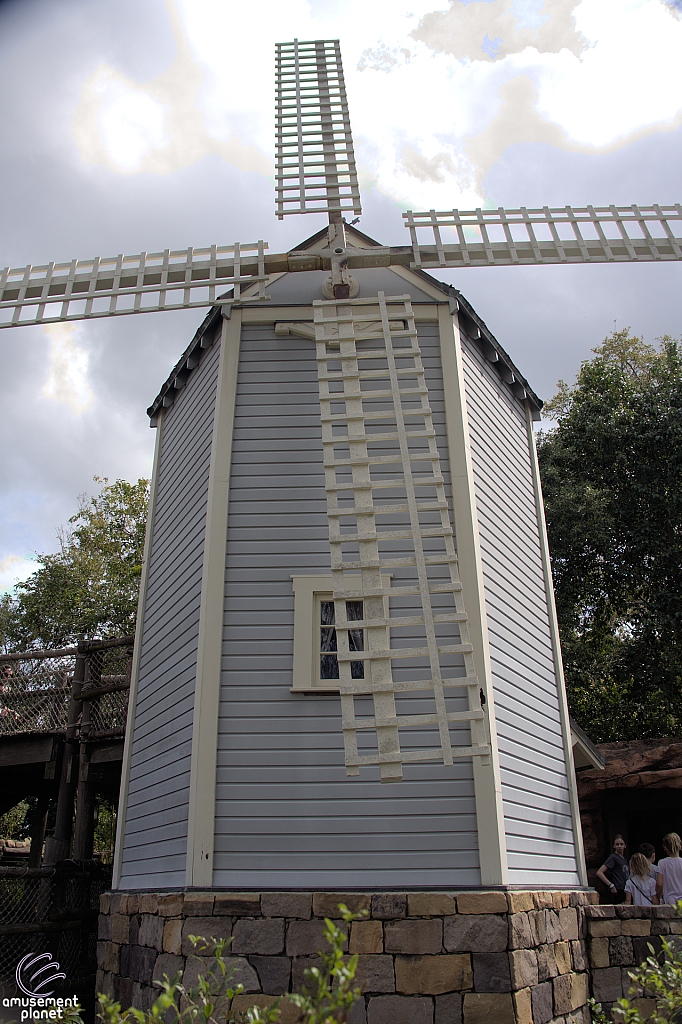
column 34, row 694
column 52, row 910
column 36, row 687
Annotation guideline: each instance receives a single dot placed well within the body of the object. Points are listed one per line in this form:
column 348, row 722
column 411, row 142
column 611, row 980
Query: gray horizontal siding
column 534, row 781
column 286, row 813
column 155, row 842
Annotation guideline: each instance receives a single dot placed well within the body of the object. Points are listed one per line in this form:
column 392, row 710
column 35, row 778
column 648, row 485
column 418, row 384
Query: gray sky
column 141, row 124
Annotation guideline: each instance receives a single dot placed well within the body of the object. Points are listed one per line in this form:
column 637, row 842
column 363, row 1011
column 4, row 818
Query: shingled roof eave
column 491, row 347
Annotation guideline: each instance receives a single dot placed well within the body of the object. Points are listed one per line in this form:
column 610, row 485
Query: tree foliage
column 89, row 587
column 612, row 482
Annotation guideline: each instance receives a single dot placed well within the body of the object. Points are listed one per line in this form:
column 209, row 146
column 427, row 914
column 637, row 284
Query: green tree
column 612, row 481
column 89, row 587
column 15, row 823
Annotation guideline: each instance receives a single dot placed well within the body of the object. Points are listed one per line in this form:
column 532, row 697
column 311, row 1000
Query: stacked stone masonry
column 618, row 939
column 423, row 958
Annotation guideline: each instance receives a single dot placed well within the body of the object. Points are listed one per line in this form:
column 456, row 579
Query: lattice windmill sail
column 194, row 278
column 517, row 243
column 316, row 170
column 345, row 509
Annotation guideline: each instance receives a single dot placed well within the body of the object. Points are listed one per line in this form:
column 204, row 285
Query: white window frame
column 308, row 592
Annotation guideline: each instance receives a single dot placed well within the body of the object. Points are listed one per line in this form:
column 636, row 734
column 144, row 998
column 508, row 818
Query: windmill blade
column 196, row 278
column 495, row 238
column 315, row 159
column 121, row 285
column 388, row 513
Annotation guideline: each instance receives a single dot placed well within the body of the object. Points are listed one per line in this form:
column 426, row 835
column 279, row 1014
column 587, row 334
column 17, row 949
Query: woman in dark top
column 617, row 866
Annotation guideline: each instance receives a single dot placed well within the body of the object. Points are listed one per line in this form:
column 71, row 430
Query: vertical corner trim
column 556, row 651
column 201, row 823
column 135, row 672
column 487, row 781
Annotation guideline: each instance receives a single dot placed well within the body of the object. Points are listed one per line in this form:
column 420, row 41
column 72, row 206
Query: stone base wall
column 618, row 940
column 423, row 958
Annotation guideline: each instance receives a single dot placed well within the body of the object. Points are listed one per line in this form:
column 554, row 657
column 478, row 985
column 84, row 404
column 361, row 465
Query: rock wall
column 618, row 939
column 423, row 958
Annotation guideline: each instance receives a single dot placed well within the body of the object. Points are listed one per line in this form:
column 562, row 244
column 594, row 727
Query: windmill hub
column 351, row 283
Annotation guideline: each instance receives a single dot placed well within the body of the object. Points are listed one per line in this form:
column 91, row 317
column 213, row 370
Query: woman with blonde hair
column 640, row 887
column 669, row 878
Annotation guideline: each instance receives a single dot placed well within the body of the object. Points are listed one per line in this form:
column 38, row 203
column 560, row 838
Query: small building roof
column 585, row 754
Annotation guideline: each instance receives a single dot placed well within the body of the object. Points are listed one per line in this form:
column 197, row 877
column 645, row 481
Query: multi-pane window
column 329, row 664
column 316, row 664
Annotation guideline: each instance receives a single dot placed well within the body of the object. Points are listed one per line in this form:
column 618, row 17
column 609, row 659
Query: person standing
column 649, row 852
column 640, row 888
column 617, row 866
column 669, row 879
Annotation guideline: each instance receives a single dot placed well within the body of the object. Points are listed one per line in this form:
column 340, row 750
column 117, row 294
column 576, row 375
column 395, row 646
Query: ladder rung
column 384, row 393
column 362, row 686
column 343, row 417
column 379, row 460
column 375, row 484
column 358, row 318
column 383, row 510
column 425, row 532
column 426, row 433
column 397, row 621
column 341, row 375
column 404, row 652
column 441, row 588
column 412, row 756
column 393, row 563
column 405, row 721
column 377, row 353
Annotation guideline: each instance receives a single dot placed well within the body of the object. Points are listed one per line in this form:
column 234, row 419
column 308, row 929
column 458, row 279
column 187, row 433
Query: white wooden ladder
column 378, row 434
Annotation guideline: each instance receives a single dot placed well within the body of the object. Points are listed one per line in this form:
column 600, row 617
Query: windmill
column 380, row 541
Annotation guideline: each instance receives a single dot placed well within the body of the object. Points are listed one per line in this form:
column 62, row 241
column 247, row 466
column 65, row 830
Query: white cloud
column 157, row 126
column 67, row 380
column 427, row 84
column 130, row 121
column 490, row 31
column 15, row 569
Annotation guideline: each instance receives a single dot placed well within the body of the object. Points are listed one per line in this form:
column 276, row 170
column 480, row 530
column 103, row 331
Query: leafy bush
column 327, row 996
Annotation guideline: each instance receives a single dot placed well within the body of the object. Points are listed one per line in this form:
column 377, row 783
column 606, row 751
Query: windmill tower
column 315, row 620
column 347, row 670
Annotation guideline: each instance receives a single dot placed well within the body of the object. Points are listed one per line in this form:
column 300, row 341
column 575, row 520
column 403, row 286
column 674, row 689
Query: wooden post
column 134, row 665
column 84, row 827
column 556, row 650
column 201, row 823
column 492, row 840
column 58, row 846
column 38, row 826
